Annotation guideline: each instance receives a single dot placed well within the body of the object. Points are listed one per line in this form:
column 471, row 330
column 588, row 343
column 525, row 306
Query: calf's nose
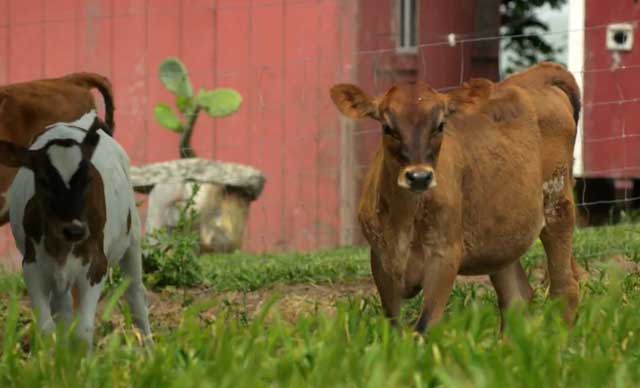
column 419, row 180
column 74, row 232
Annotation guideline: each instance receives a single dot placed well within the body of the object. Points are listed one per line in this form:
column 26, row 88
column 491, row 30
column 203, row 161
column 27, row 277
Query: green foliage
column 220, row 102
column 166, row 118
column 529, row 43
column 215, row 103
column 170, row 256
column 175, row 78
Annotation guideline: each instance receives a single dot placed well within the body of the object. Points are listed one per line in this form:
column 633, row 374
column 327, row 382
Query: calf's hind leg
column 556, row 238
column 131, row 266
column 512, row 286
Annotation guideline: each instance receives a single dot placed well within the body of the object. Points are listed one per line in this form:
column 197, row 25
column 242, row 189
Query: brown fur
column 496, row 166
column 27, row 108
column 92, row 249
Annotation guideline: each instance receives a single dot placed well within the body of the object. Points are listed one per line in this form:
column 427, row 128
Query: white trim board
column 575, row 63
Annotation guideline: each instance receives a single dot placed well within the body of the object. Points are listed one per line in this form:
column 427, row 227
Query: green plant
column 170, row 256
column 215, row 103
column 524, row 33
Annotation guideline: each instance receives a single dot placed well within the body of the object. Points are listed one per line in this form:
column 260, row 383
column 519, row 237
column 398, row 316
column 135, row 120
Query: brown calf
column 464, row 182
column 27, row 108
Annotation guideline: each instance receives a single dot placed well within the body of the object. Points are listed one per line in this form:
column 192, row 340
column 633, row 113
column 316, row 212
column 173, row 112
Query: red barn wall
column 282, row 56
column 611, row 94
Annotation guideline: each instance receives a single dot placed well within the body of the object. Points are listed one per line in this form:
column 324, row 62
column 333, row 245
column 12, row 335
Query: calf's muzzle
column 75, row 231
column 416, row 179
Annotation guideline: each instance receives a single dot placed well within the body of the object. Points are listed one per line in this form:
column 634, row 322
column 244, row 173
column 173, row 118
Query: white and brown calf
column 72, row 214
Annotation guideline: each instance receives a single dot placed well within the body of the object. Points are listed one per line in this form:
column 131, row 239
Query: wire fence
column 288, row 127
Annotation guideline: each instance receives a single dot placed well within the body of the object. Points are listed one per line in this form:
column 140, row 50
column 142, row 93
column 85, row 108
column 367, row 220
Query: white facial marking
column 84, row 121
column 65, row 160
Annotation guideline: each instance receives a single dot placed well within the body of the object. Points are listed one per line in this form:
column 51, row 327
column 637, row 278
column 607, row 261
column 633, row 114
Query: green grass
column 355, row 347
column 247, row 272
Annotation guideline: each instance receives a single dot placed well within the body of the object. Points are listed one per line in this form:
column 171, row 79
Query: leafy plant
column 525, row 32
column 215, row 103
column 170, row 256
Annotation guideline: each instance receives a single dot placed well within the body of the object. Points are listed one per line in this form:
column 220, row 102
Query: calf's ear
column 352, row 102
column 91, row 140
column 15, row 156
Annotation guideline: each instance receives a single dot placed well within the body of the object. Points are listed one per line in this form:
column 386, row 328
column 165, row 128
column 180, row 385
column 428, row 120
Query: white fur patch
column 66, row 160
column 83, row 122
column 552, row 190
column 554, row 185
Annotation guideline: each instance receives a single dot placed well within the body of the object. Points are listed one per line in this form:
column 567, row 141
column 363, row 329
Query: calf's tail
column 93, row 80
column 565, row 81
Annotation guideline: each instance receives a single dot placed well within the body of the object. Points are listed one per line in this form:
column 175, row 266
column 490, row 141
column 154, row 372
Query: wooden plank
column 301, row 195
column 94, row 36
column 60, row 48
column 265, row 146
column 61, row 11
column 233, row 67
column 197, row 51
column 22, row 37
column 4, row 54
column 26, row 12
column 161, row 43
column 328, row 159
column 129, row 73
column 347, row 33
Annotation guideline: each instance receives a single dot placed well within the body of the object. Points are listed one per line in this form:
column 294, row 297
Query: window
column 407, row 26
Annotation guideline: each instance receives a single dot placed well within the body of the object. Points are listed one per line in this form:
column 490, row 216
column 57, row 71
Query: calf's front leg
column 62, row 306
column 89, row 296
column 440, row 271
column 39, row 288
column 389, row 291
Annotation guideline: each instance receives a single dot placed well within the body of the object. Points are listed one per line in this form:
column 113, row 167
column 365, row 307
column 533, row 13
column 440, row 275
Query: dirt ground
column 294, row 300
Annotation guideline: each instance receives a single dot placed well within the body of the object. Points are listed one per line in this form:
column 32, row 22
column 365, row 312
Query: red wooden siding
column 611, row 96
column 282, row 56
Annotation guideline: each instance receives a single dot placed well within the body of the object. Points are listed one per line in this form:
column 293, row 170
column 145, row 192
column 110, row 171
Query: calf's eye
column 388, row 131
column 42, row 182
